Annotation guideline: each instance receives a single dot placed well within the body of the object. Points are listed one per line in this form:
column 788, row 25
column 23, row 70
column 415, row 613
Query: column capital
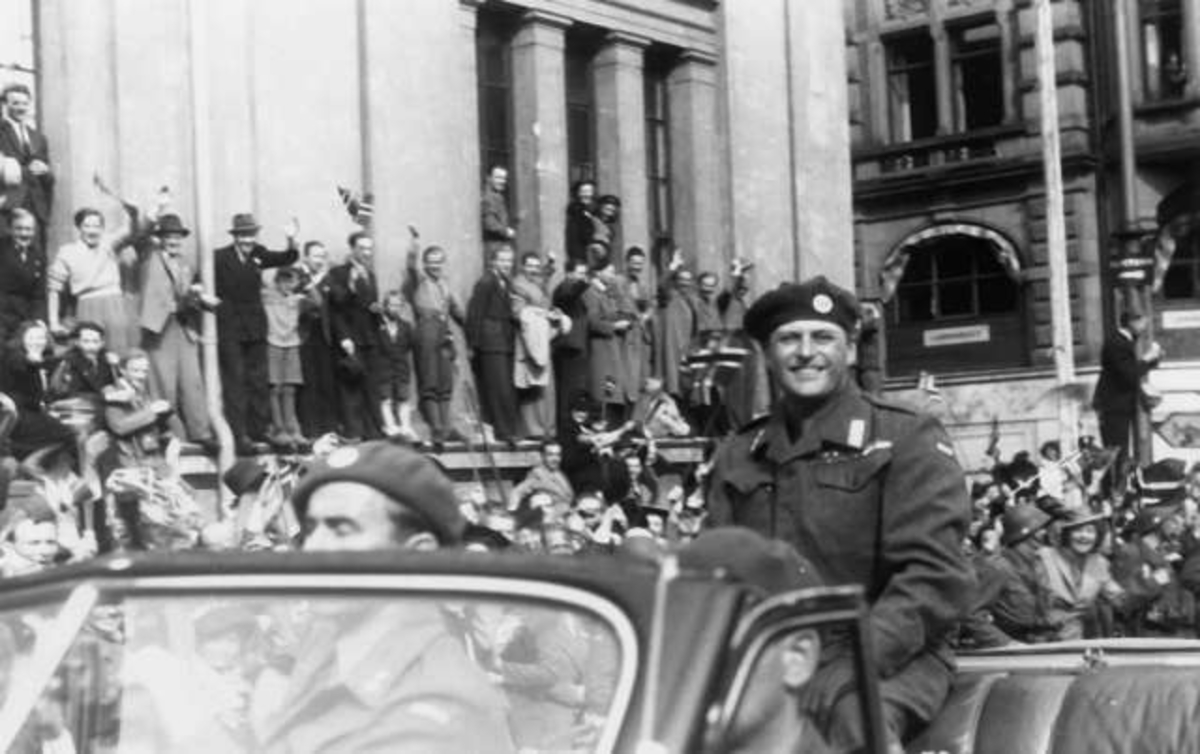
column 698, row 57
column 545, row 19
column 625, row 39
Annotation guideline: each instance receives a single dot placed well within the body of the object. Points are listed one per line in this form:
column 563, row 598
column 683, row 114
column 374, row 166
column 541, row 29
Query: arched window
column 955, row 302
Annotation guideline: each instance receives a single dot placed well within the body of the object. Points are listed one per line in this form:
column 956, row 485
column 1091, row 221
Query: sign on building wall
column 1181, row 319
column 954, row 336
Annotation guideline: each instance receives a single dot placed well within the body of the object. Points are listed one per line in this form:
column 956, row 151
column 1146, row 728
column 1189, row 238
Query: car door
column 771, row 690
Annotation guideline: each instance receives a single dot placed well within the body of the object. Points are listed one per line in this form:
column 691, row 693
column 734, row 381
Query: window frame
column 901, row 130
column 1151, row 15
column 580, row 103
column 495, row 31
column 657, row 105
column 958, row 56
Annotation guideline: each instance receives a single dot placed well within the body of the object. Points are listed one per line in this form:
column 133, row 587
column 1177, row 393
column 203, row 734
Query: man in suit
column 22, row 274
column 491, row 335
column 354, row 318
column 494, row 211
column 242, row 326
column 1121, row 373
column 171, row 302
column 21, row 142
column 435, row 306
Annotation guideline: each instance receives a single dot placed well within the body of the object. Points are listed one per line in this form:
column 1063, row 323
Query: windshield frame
column 450, row 587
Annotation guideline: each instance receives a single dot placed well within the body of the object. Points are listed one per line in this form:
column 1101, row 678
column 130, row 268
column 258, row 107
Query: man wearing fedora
column 170, row 304
column 242, row 326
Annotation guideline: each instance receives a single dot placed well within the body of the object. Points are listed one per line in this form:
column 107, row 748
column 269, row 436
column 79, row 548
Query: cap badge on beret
column 822, row 303
column 342, row 457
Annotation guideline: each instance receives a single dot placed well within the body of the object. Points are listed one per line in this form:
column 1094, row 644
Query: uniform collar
column 842, row 423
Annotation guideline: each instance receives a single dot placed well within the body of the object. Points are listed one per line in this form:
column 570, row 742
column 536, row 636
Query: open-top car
column 405, row 652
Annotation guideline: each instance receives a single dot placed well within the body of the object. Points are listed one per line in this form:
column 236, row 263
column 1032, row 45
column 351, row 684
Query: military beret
column 771, row 565
column 816, row 298
column 397, row 471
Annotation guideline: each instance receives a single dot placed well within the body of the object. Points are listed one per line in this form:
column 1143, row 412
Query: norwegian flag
column 360, row 206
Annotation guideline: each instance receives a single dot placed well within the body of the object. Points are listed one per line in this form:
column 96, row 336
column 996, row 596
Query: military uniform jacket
column 871, row 493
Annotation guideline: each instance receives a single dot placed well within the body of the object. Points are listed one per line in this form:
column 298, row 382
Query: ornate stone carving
column 903, row 10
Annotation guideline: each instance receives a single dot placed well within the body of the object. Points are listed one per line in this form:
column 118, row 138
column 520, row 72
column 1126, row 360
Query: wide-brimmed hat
column 1081, row 517
column 244, row 222
column 170, row 225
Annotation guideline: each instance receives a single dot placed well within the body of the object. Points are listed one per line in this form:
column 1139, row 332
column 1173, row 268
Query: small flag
column 993, row 448
column 360, row 206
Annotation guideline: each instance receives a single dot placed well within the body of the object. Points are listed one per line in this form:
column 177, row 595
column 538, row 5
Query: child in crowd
column 392, row 371
column 282, row 300
column 657, row 413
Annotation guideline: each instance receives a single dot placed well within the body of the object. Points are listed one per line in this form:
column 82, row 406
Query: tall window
column 1182, row 281
column 493, row 65
column 955, row 308
column 658, row 148
column 978, row 74
column 581, row 111
column 912, row 90
column 1163, row 70
column 18, row 58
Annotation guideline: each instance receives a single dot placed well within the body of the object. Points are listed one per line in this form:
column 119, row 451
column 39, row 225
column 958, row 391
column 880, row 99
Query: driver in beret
column 867, row 490
column 371, row 676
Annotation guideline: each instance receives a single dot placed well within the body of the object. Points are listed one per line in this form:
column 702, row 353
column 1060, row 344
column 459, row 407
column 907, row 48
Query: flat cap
column 816, row 299
column 771, row 565
column 399, row 472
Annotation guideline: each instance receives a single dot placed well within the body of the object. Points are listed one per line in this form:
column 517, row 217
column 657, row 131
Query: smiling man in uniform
column 869, row 491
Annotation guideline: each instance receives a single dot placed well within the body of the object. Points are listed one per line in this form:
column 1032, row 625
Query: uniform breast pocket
column 847, row 495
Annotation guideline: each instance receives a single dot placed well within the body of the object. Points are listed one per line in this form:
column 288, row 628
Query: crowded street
column 583, row 376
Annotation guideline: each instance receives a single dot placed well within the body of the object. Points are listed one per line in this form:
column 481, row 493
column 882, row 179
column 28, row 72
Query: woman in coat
column 1080, row 581
column 25, row 374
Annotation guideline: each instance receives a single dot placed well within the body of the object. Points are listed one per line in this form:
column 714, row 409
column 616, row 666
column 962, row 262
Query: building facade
column 696, row 113
column 950, row 200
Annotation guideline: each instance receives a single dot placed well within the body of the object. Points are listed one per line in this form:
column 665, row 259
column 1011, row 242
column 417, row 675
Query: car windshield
column 315, row 672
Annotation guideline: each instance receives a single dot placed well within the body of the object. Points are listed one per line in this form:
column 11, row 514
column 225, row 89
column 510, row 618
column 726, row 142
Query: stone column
column 77, row 105
column 696, row 160
column 421, row 133
column 621, row 133
column 820, row 141
column 540, row 126
column 943, row 76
